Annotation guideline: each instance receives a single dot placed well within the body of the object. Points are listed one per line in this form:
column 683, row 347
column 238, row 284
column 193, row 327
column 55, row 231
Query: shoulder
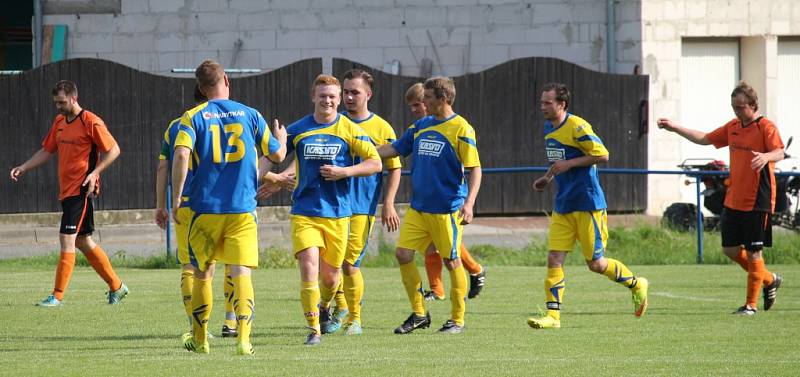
column 91, row 118
column 60, row 118
column 300, row 124
column 766, row 123
column 577, row 123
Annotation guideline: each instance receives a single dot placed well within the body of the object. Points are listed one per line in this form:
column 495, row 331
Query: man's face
column 744, row 111
column 326, row 99
column 356, row 94
column 433, row 105
column 550, row 107
column 64, row 104
column 418, row 108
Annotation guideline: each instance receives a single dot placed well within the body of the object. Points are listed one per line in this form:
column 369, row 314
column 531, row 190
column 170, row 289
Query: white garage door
column 788, row 116
column 709, row 72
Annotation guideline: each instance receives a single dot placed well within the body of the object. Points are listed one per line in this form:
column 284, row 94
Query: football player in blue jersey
column 573, row 150
column 224, row 138
column 442, row 145
column 329, row 149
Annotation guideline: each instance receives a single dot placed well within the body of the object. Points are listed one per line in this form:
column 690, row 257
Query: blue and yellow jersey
column 440, row 150
column 337, row 143
column 366, row 191
column 578, row 188
column 225, row 138
column 166, row 154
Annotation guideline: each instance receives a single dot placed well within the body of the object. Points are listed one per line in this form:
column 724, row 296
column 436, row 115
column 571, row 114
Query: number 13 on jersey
column 234, row 148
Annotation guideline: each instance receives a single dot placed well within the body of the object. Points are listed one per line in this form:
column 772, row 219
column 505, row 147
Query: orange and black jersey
column 750, row 190
column 78, row 143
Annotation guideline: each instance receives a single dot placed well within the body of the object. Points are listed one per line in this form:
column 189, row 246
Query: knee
column 349, row 269
column 597, row 266
column 84, row 243
column 452, row 264
column 404, row 256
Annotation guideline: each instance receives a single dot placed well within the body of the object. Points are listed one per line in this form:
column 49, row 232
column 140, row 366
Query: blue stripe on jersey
column 468, row 141
column 365, row 138
column 590, row 137
column 227, row 137
column 313, row 195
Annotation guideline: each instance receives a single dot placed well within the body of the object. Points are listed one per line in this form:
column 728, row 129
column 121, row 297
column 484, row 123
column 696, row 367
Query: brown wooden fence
column 137, row 107
column 501, row 103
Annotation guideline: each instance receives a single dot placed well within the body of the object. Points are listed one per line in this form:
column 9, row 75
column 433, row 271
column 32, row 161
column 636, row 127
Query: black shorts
column 77, row 216
column 753, row 229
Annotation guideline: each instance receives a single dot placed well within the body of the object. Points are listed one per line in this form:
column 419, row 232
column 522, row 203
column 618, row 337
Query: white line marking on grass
column 682, row 297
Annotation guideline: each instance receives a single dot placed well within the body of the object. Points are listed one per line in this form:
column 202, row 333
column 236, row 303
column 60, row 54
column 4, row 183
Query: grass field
column 688, row 330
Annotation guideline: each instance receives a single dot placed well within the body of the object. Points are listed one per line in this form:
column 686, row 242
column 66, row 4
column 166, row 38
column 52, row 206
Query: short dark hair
column 562, row 93
column 443, row 88
column 359, row 74
column 208, row 74
column 68, row 87
column 199, row 97
column 748, row 92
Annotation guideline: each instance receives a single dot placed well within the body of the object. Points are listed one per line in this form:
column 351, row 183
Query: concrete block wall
column 466, row 35
column 665, row 22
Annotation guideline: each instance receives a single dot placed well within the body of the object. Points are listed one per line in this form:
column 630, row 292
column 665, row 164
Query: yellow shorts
column 360, row 228
column 590, row 229
column 227, row 238
column 328, row 234
column 185, row 215
column 419, row 229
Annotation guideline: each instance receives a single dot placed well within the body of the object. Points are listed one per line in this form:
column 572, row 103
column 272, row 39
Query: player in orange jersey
column 85, row 149
column 755, row 145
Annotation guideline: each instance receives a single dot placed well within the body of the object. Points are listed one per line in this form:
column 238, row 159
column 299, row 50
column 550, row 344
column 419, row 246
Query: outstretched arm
column 695, row 136
column 40, row 157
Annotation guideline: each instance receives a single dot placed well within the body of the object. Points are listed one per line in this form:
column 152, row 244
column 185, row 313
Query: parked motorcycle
column 683, row 216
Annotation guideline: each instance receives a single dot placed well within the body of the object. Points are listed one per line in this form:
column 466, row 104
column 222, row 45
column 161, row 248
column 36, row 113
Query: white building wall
column 757, row 23
column 466, row 35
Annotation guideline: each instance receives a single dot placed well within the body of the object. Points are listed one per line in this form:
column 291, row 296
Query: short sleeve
column 405, row 145
column 719, row 137
column 468, row 147
column 588, row 141
column 50, row 143
column 361, row 145
column 101, row 137
column 186, row 135
column 772, row 138
column 266, row 142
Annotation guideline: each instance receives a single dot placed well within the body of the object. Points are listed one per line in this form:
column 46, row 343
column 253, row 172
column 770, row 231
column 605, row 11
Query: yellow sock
column 187, row 282
column 458, row 294
column 618, row 272
column 554, row 287
column 338, row 297
column 244, row 305
column 201, row 308
column 353, row 293
column 326, row 294
column 413, row 284
column 309, row 297
column 229, row 289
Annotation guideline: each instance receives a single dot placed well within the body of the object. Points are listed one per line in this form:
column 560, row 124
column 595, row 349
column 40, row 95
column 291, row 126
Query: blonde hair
column 415, row 92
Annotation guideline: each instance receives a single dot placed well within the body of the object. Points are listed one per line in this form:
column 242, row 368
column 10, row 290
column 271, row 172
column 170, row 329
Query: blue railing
column 535, row 169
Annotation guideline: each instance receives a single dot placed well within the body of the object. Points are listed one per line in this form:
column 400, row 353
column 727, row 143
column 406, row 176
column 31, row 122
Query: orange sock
column 756, row 275
column 433, row 266
column 63, row 274
column 470, row 264
column 741, row 259
column 99, row 261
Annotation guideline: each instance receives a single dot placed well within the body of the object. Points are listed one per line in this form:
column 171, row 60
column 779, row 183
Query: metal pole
column 38, row 29
column 611, row 45
column 169, row 223
column 699, row 223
